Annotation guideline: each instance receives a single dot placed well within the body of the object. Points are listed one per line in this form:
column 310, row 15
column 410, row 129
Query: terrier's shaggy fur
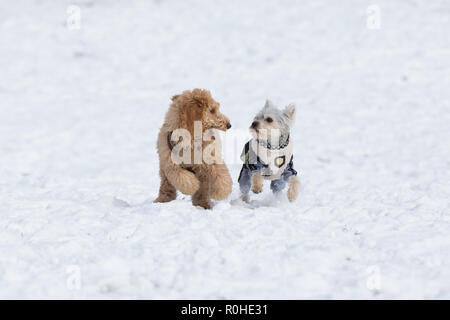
column 202, row 181
column 269, row 154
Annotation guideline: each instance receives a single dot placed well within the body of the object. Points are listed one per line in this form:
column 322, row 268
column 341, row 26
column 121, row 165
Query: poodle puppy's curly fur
column 201, row 180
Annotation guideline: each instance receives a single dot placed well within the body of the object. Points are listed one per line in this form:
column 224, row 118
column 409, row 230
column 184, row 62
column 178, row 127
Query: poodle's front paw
column 221, row 187
column 187, row 183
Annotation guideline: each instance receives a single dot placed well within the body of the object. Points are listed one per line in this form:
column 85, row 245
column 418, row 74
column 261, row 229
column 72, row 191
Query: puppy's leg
column 294, row 187
column 167, row 192
column 244, row 183
column 221, row 183
column 277, row 185
column 257, row 183
column 181, row 179
column 201, row 197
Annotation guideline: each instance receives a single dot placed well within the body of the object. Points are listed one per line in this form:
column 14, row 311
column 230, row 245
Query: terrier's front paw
column 294, row 186
column 257, row 183
column 245, row 198
column 256, row 188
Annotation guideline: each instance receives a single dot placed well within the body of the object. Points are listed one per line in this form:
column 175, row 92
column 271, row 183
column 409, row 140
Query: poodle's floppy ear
column 289, row 111
column 201, row 97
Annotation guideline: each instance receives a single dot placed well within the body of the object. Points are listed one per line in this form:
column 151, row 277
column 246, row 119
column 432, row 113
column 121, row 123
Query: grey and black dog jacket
column 274, row 163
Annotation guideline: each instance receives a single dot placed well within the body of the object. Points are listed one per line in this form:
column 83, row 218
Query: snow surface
column 80, row 111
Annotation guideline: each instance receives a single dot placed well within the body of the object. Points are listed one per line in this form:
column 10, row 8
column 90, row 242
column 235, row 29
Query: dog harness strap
column 169, row 144
column 272, row 162
column 190, row 169
column 283, row 142
column 289, row 171
column 169, row 135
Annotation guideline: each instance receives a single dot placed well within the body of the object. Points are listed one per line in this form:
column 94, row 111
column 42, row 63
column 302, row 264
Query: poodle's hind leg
column 202, row 197
column 221, row 182
column 167, row 192
column 257, row 183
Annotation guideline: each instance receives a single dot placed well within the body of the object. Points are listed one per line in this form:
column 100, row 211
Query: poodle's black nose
column 254, row 124
column 228, row 125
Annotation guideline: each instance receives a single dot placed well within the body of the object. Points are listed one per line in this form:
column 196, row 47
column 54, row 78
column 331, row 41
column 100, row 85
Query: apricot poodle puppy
column 189, row 150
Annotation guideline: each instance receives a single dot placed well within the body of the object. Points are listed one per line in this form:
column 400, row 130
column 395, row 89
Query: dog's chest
column 274, row 161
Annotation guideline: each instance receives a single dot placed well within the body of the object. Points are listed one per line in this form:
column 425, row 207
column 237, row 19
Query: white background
column 79, row 116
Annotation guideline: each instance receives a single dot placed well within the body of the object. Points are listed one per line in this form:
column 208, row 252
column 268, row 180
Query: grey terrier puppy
column 268, row 155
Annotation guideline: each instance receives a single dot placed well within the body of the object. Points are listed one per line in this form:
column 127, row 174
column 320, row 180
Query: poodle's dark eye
column 212, row 111
column 269, row 119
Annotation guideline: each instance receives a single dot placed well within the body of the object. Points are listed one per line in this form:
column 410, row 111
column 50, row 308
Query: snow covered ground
column 79, row 115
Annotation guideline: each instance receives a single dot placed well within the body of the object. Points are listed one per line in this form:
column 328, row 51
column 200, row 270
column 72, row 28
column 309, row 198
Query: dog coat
column 274, row 163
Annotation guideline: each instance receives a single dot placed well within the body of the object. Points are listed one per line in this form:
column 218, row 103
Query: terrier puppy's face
column 271, row 122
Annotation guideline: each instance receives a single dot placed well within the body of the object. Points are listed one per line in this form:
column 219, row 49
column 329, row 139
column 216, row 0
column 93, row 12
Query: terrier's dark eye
column 212, row 111
column 269, row 119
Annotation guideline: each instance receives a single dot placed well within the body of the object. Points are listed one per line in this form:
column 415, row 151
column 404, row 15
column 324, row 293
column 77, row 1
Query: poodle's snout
column 255, row 124
column 228, row 125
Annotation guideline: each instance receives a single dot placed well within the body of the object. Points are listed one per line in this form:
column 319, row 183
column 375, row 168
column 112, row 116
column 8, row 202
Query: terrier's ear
column 289, row 111
column 269, row 104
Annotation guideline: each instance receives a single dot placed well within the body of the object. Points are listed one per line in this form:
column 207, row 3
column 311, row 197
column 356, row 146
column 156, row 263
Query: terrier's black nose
column 228, row 125
column 254, row 124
